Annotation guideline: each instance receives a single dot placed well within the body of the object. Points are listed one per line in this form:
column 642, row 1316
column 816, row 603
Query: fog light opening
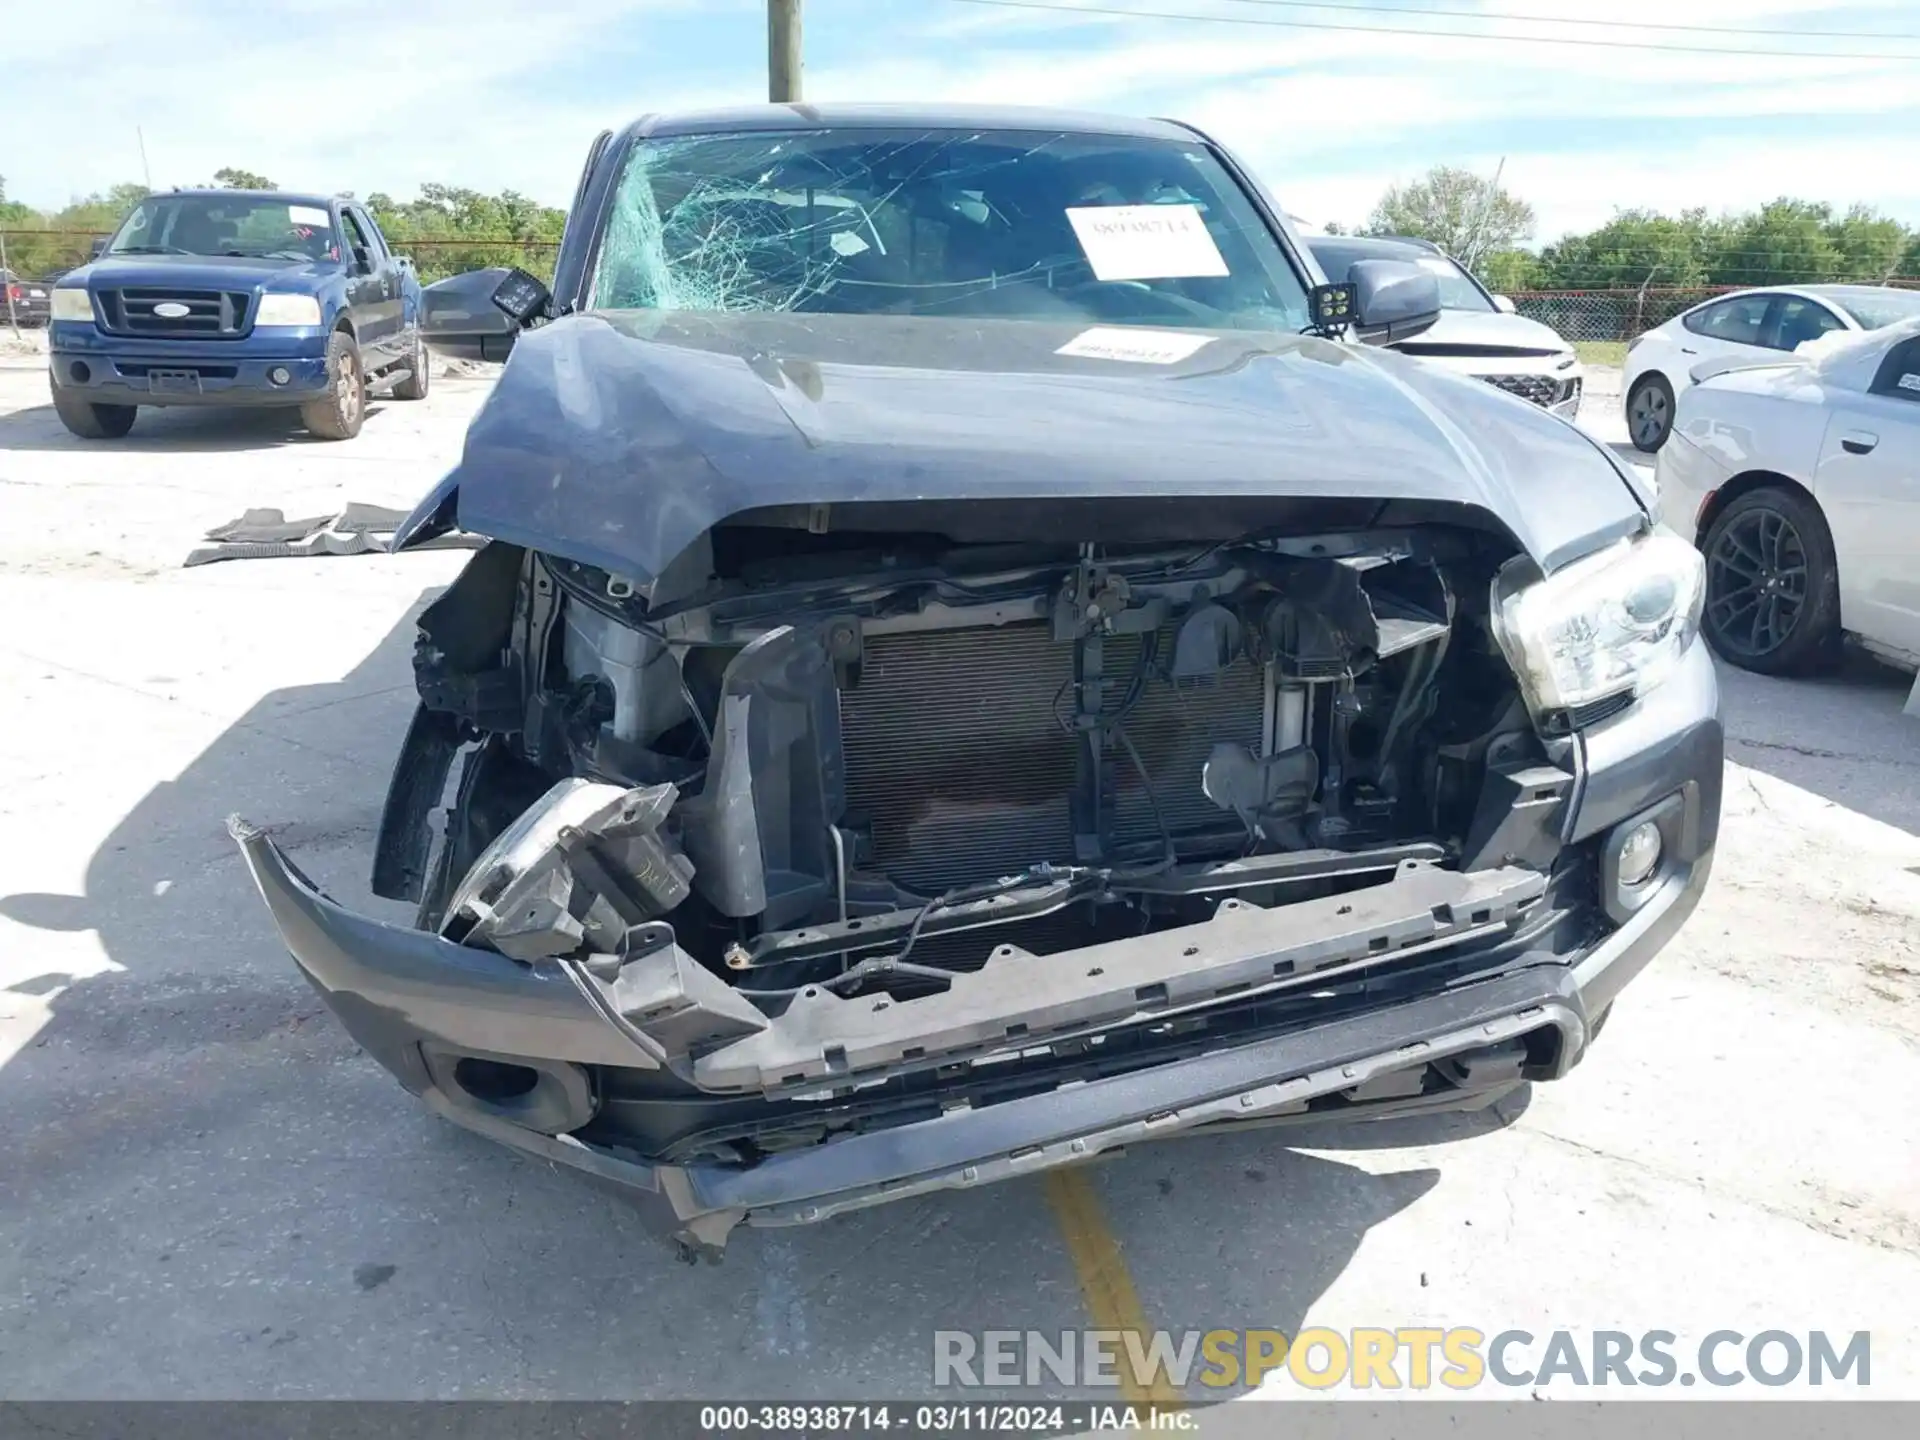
column 493, row 1081
column 80, row 372
column 1639, row 856
column 280, row 375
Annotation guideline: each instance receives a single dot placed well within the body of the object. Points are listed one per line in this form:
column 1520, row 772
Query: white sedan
column 1800, row 483
column 1754, row 325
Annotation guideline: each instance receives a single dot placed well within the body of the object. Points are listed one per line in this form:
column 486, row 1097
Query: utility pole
column 783, row 51
column 145, row 172
column 1472, row 258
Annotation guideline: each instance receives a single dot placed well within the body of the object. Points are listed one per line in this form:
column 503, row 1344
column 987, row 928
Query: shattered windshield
column 1035, row 226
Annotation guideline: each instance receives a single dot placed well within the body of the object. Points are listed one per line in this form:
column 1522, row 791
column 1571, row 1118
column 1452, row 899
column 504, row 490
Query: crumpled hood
column 617, row 438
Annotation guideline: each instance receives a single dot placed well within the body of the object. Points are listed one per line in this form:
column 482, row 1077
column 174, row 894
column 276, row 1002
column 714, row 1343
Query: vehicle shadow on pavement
column 194, row 428
column 216, row 1194
column 1841, row 735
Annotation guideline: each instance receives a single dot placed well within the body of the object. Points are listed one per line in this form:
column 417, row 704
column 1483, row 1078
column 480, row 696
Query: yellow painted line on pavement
column 1105, row 1282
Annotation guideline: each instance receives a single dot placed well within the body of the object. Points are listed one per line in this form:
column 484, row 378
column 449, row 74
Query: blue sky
column 371, row 95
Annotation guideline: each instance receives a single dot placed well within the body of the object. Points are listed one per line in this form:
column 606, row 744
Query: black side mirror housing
column 1392, row 300
column 97, row 248
column 479, row 314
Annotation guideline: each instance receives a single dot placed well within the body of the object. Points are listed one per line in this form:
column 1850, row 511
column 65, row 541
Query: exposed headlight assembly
column 1587, row 639
column 288, row 310
column 71, row 302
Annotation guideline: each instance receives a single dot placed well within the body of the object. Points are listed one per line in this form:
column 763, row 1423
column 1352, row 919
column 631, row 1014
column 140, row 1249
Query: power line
column 1578, row 42
column 1369, row 7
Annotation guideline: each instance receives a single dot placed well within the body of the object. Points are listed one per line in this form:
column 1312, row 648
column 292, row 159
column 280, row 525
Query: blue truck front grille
column 159, row 312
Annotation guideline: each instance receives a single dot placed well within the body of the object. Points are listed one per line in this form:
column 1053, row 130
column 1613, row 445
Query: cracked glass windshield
column 1051, row 226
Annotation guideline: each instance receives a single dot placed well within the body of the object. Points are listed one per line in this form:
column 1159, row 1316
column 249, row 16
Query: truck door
column 373, row 289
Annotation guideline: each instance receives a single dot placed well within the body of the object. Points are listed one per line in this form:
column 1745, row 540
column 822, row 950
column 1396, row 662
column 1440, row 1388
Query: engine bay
column 866, row 764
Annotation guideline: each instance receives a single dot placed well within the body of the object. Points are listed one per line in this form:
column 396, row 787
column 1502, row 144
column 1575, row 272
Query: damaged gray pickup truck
column 978, row 663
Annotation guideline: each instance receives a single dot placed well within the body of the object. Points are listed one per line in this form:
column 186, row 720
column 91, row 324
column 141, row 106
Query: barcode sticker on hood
column 1136, row 346
column 1146, row 242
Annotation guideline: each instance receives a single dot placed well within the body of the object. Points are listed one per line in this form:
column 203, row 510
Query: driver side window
column 357, row 238
column 1798, row 321
column 364, row 225
column 1741, row 320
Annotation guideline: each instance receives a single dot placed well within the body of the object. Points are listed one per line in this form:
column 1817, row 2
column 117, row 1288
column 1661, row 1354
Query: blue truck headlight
column 71, row 302
column 287, row 310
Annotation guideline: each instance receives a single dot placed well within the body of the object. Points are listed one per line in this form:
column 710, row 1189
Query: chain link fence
column 1588, row 316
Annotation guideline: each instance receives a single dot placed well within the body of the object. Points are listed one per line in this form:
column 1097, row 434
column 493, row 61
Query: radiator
column 955, row 758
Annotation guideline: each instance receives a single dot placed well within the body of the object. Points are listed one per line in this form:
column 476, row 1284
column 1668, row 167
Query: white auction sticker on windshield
column 1136, row 346
column 1146, row 242
column 306, row 215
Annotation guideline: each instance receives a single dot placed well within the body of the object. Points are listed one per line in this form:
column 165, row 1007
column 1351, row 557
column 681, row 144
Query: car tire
column 338, row 414
column 1649, row 412
column 1773, row 584
column 90, row 421
column 414, row 387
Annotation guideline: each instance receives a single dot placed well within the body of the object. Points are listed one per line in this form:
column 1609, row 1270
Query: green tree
column 1634, row 248
column 1782, row 243
column 1465, row 214
column 1871, row 246
column 1507, row 271
column 448, row 228
column 233, row 179
column 12, row 212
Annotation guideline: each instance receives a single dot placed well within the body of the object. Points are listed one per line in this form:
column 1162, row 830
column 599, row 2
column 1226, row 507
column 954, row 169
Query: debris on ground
column 355, row 530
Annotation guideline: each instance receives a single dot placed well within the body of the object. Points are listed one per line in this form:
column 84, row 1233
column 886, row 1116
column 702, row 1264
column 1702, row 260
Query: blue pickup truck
column 236, row 297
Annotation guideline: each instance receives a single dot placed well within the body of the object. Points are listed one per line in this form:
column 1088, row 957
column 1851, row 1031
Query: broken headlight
column 1585, row 640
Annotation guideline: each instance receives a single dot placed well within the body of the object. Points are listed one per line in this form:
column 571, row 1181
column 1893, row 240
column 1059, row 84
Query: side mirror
column 97, row 248
column 1392, row 300
column 1504, row 304
column 464, row 315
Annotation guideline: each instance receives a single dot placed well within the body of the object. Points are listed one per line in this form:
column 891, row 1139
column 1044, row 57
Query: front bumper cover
column 416, row 1001
column 221, row 378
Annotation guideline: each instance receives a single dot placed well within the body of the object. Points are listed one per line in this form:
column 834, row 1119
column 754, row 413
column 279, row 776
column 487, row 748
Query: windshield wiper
column 149, row 250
